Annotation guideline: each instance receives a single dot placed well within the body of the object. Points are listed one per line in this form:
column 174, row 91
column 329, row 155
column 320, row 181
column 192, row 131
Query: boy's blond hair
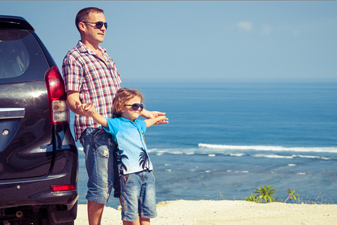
column 123, row 95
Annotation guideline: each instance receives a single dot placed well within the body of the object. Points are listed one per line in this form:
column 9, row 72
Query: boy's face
column 128, row 112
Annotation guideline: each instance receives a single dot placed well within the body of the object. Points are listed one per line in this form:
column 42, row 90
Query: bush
column 265, row 194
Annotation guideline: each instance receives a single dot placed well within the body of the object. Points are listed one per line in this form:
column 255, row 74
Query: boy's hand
column 89, row 106
column 162, row 120
column 87, row 109
column 152, row 114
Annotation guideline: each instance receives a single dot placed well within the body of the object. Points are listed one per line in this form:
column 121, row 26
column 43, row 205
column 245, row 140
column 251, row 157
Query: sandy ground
column 183, row 212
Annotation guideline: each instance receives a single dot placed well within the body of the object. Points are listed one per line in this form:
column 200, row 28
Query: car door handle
column 12, row 113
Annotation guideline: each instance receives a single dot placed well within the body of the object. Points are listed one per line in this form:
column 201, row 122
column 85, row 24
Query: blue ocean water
column 226, row 139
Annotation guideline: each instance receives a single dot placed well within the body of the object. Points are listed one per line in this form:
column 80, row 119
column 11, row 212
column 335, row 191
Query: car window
column 21, row 57
column 14, row 58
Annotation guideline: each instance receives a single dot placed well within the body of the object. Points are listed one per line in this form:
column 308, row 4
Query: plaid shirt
column 95, row 80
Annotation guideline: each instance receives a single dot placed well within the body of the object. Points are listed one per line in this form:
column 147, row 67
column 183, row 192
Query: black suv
column 38, row 155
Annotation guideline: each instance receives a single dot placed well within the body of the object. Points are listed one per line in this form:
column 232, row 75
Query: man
column 90, row 75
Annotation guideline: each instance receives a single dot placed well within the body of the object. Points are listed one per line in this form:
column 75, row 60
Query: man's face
column 94, row 34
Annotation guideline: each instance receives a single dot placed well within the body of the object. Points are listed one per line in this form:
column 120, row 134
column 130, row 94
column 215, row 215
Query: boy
column 135, row 167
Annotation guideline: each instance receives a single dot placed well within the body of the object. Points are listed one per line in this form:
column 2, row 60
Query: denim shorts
column 99, row 149
column 138, row 196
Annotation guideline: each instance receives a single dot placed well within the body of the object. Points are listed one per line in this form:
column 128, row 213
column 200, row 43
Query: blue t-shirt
column 132, row 154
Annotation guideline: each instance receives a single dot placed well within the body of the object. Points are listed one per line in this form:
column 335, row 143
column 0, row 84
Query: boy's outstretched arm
column 158, row 120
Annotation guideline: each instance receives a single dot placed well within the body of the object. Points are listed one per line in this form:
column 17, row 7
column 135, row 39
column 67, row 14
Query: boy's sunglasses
column 136, row 106
column 99, row 24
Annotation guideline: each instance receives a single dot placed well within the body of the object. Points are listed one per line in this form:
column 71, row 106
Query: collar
column 127, row 120
column 84, row 49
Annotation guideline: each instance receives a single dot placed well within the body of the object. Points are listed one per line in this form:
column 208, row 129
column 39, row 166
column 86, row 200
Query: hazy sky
column 241, row 41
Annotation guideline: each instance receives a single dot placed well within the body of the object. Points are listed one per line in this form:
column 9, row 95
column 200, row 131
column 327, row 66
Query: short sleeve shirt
column 132, row 153
column 96, row 81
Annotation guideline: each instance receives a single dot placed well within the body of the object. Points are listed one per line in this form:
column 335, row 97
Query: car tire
column 45, row 222
column 68, row 223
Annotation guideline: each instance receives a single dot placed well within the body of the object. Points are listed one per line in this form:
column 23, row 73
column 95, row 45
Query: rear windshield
column 21, row 57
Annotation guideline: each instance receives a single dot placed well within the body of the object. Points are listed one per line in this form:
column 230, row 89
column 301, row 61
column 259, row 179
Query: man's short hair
column 83, row 14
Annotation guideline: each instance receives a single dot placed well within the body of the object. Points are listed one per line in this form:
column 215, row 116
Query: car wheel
column 68, row 223
column 46, row 222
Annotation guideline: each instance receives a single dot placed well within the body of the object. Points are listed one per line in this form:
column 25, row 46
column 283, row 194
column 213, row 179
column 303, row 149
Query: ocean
column 224, row 140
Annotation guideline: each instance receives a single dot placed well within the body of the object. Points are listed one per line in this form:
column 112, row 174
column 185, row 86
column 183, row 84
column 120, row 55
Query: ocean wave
column 219, row 151
column 270, row 148
column 213, row 152
column 274, row 156
column 289, row 156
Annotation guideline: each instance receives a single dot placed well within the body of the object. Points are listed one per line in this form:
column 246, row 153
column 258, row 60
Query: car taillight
column 58, row 109
column 67, row 187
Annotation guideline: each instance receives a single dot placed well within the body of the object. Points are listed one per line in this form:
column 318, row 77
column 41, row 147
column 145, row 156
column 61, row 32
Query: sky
column 201, row 41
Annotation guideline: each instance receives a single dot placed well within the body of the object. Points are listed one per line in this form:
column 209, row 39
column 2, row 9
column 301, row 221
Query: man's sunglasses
column 99, row 24
column 136, row 106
